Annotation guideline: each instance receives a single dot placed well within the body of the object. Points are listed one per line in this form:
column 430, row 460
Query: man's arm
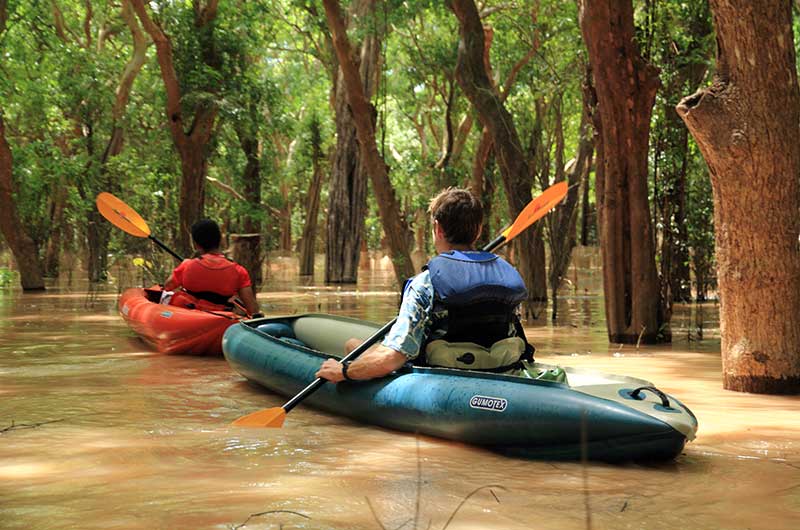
column 401, row 344
column 375, row 362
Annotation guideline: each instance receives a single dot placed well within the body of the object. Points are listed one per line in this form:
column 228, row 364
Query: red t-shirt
column 211, row 273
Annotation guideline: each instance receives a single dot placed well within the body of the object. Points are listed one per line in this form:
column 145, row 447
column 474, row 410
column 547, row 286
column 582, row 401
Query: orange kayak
column 172, row 329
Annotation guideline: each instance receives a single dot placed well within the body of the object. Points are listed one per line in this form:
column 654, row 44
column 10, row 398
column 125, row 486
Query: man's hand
column 331, row 370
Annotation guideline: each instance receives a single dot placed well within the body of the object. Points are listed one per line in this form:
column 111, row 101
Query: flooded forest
column 636, row 162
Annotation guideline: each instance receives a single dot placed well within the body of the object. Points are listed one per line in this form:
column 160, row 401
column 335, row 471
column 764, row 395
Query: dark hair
column 459, row 213
column 205, row 233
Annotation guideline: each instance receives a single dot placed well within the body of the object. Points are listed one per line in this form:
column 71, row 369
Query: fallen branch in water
column 18, row 426
column 268, row 512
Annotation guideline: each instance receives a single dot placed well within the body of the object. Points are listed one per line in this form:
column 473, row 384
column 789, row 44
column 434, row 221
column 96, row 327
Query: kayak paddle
column 125, row 218
column 535, row 210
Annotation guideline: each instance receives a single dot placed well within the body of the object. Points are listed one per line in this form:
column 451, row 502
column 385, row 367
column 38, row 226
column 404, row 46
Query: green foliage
column 268, row 67
column 678, row 37
column 7, row 278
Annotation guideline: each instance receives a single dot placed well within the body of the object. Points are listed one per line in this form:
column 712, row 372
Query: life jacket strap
column 209, row 296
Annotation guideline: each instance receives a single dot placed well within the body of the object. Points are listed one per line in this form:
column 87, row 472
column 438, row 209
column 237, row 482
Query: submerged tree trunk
column 625, row 86
column 193, row 137
column 347, row 198
column 247, row 251
column 22, row 246
column 395, row 227
column 309, row 238
column 474, row 81
column 347, row 190
column 747, row 124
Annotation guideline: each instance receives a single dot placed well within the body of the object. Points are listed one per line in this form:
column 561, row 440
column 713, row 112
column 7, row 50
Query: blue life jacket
column 475, row 297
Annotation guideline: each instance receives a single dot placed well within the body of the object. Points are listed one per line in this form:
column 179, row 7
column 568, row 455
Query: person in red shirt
column 210, row 279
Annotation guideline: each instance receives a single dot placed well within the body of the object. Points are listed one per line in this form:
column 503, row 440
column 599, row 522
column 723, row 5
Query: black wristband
column 345, row 366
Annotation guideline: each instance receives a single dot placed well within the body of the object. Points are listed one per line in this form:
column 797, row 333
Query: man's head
column 459, row 214
column 206, row 234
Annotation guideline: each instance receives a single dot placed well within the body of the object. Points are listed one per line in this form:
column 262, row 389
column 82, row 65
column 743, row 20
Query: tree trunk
column 22, row 246
column 347, row 191
column 247, row 251
column 747, row 124
column 309, row 238
column 586, row 211
column 347, row 199
column 625, row 86
column 482, row 184
column 395, row 228
column 193, row 146
column 474, row 81
column 54, row 241
column 563, row 222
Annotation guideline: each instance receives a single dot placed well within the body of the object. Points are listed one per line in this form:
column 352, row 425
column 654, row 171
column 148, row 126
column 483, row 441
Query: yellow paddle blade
column 121, row 215
column 536, row 209
column 273, row 417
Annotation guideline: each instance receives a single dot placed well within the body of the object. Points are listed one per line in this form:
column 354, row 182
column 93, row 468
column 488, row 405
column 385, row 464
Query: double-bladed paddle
column 535, row 210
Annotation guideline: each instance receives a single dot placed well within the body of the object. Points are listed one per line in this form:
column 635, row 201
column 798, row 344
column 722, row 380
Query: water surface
column 98, row 432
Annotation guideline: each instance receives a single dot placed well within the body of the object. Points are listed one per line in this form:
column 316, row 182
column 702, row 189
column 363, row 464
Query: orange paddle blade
column 273, row 417
column 121, row 215
column 536, row 209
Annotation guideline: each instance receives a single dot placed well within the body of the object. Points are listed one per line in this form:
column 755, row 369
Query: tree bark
column 482, row 184
column 347, row 190
column 474, row 81
column 193, row 142
column 347, row 197
column 625, row 85
column 394, row 224
column 247, row 251
column 22, row 246
column 747, row 124
column 309, row 238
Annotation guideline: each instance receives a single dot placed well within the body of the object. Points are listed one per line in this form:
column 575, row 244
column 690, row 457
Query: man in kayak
column 460, row 312
column 209, row 280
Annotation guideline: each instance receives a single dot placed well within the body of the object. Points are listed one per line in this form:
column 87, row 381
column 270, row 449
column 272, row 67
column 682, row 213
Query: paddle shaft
column 165, row 247
column 318, row 382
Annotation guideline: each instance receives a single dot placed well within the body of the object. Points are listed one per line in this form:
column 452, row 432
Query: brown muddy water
column 98, row 432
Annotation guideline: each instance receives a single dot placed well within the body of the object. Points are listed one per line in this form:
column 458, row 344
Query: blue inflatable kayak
column 594, row 415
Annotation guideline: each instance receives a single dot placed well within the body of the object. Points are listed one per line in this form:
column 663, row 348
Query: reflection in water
column 107, row 434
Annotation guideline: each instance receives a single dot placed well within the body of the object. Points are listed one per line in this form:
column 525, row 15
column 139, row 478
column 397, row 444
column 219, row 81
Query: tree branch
column 166, row 63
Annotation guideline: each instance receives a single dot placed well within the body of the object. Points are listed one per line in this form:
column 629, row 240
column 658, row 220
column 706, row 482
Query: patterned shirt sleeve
column 409, row 332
